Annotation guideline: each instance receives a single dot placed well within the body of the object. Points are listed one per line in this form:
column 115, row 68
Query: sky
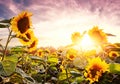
column 55, row 20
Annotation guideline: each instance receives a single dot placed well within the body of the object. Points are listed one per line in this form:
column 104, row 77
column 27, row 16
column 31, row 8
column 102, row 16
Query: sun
column 86, row 43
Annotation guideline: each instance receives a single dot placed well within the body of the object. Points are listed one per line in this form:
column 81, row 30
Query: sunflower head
column 26, row 38
column 21, row 23
column 95, row 68
column 40, row 52
column 71, row 54
column 113, row 54
column 76, row 37
column 97, row 35
column 33, row 45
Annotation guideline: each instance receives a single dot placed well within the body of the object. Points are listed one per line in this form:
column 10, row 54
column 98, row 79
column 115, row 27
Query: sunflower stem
column 8, row 40
column 67, row 76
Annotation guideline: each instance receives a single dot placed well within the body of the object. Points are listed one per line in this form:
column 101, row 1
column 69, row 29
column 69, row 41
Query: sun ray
column 86, row 43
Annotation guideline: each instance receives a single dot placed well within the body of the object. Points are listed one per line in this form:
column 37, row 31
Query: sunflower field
column 97, row 62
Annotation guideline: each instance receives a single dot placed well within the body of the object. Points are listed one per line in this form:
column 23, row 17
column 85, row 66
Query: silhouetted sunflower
column 76, row 37
column 97, row 35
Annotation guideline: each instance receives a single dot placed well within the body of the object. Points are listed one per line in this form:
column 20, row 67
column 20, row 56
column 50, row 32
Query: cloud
column 5, row 12
column 59, row 18
column 55, row 20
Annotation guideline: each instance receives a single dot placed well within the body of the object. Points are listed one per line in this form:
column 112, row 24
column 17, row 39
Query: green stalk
column 67, row 75
column 8, row 40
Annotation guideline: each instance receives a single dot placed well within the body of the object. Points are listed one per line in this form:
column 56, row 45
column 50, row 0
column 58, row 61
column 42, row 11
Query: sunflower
column 71, row 54
column 33, row 45
column 97, row 35
column 113, row 54
column 95, row 68
column 27, row 38
column 21, row 23
column 76, row 37
column 40, row 52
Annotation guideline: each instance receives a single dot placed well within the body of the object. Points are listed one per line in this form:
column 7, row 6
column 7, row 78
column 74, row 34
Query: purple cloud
column 50, row 8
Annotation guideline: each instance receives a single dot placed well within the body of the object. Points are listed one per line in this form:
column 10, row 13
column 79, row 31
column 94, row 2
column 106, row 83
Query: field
column 89, row 59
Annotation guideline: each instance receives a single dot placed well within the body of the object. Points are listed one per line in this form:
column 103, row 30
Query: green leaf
column 62, row 76
column 21, row 72
column 16, row 78
column 28, row 78
column 79, row 79
column 2, row 72
column 52, row 60
column 3, row 26
column 115, row 68
column 8, row 66
column 5, row 21
column 12, row 58
column 35, row 58
column 76, row 74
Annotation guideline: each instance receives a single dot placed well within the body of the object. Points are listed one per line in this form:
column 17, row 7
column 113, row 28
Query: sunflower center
column 114, row 55
column 40, row 53
column 23, row 24
column 71, row 56
column 94, row 70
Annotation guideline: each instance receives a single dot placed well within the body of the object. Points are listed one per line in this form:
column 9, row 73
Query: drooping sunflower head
column 76, row 37
column 95, row 68
column 26, row 38
column 21, row 23
column 113, row 54
column 97, row 35
column 71, row 54
column 33, row 45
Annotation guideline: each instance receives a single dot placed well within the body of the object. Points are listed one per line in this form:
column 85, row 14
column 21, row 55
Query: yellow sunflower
column 94, row 69
column 97, row 35
column 113, row 54
column 21, row 23
column 71, row 54
column 76, row 37
column 40, row 52
column 27, row 38
column 33, row 45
